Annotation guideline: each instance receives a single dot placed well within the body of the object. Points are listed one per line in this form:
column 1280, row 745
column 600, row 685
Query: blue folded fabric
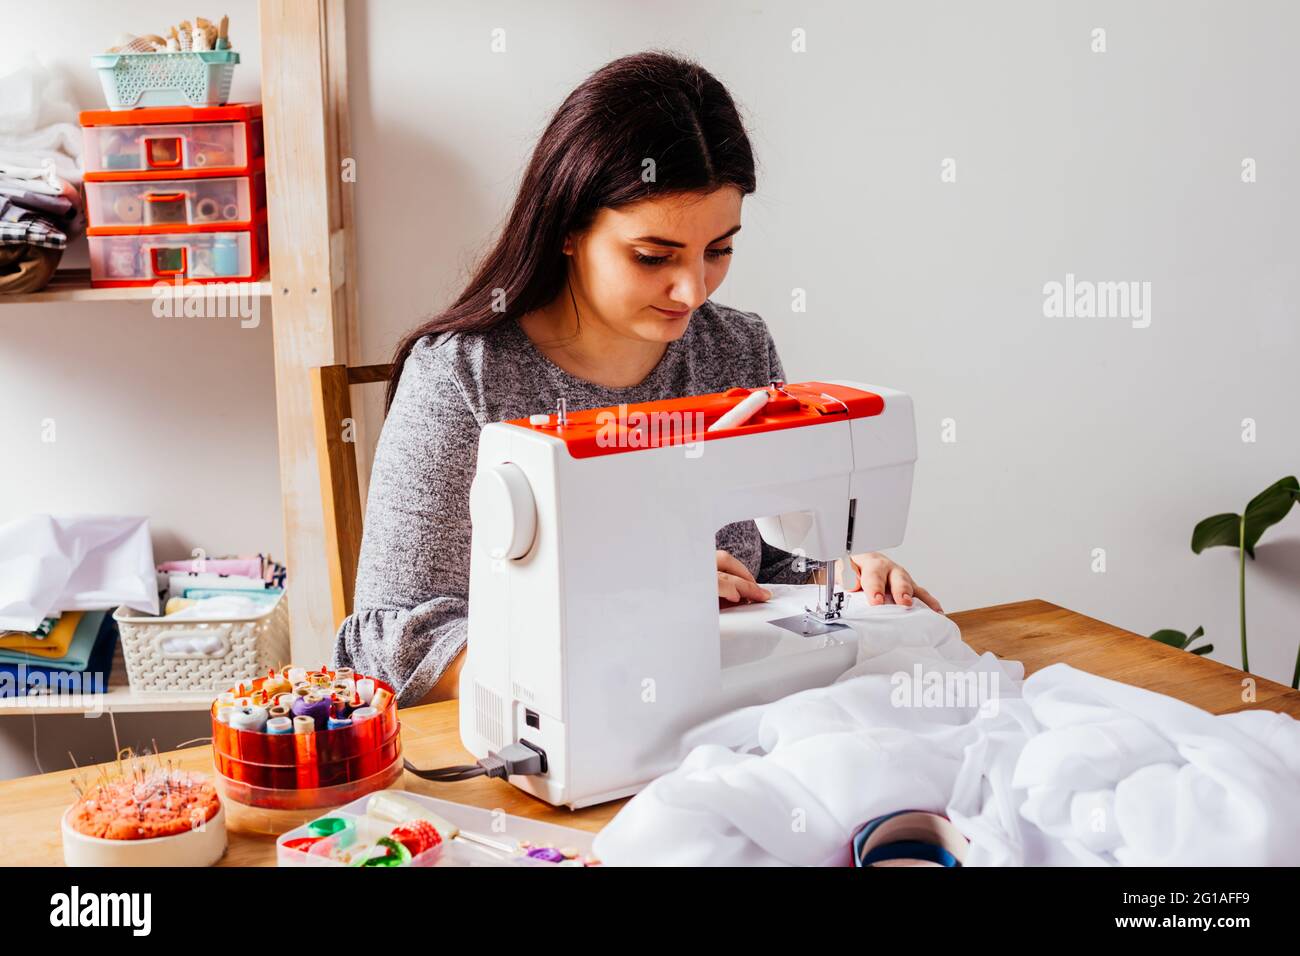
column 19, row 680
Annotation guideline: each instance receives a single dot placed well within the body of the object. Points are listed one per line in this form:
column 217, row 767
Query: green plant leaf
column 1217, row 530
column 1173, row 638
column 1199, row 632
column 1203, row 649
column 1268, row 508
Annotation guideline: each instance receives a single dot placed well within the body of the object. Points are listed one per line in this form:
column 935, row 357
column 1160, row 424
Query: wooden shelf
column 73, row 285
column 118, row 698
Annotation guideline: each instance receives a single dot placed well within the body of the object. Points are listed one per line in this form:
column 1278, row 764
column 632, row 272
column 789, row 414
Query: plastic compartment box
column 219, row 256
column 128, row 205
column 160, row 143
column 499, row 827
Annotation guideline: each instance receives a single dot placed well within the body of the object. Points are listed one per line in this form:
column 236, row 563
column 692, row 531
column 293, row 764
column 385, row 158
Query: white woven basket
column 201, row 654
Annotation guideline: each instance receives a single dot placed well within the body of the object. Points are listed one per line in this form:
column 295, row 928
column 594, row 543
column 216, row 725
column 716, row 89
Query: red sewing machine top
column 680, row 421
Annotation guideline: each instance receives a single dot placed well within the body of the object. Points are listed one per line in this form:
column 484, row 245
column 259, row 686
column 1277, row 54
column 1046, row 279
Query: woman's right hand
column 735, row 584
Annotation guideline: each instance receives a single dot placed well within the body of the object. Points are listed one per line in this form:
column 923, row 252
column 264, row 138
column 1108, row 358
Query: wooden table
column 1034, row 632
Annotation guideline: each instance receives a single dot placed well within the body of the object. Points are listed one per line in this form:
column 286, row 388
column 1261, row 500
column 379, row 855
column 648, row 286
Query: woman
column 597, row 290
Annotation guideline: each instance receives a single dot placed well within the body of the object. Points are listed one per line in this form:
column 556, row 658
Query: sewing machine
column 595, row 633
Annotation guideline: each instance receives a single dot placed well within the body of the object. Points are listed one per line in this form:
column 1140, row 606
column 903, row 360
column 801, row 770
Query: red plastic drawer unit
column 172, row 142
column 180, row 251
column 124, row 206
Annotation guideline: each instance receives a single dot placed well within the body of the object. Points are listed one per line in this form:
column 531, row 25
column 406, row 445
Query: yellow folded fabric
column 56, row 645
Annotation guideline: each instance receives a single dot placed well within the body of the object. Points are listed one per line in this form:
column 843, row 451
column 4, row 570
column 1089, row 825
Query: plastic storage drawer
column 127, row 205
column 162, row 143
column 228, row 255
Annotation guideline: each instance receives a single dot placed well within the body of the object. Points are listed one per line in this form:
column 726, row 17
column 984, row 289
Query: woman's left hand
column 877, row 575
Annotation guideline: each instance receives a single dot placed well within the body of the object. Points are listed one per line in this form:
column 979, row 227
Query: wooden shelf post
column 313, row 292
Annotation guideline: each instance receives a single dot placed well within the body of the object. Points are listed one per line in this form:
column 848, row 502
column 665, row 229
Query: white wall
column 170, row 418
column 1072, row 434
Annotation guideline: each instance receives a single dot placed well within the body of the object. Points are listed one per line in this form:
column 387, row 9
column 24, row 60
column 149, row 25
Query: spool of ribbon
column 126, row 209
column 387, row 852
column 330, row 826
column 304, row 725
column 315, row 707
column 280, row 725
column 909, row 838
column 248, row 718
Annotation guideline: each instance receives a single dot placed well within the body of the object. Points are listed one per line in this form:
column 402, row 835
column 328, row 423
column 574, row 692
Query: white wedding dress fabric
column 1062, row 768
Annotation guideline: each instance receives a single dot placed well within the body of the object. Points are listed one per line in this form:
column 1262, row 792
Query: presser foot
column 822, row 619
column 808, row 624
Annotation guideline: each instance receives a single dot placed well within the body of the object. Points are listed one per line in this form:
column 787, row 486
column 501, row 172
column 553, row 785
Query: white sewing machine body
column 594, row 627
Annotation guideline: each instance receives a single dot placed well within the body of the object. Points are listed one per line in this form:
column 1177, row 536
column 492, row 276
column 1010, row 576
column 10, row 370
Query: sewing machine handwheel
column 502, row 511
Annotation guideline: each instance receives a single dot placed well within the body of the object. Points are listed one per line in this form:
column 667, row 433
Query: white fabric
column 1062, row 768
column 74, row 563
column 38, row 122
column 225, row 606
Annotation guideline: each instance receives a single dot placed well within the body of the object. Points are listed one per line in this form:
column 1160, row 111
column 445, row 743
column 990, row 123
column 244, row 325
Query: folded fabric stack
column 228, row 588
column 40, row 175
column 70, row 653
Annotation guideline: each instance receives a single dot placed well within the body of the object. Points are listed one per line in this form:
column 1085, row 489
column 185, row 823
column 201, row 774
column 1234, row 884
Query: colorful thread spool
column 304, row 725
column 363, row 713
column 279, row 725
column 249, row 718
column 317, row 708
column 366, row 689
column 276, row 685
column 381, row 699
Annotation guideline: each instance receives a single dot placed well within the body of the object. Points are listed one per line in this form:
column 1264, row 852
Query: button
column 539, row 419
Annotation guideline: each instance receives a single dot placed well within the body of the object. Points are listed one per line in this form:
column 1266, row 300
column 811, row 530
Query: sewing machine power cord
column 520, row 758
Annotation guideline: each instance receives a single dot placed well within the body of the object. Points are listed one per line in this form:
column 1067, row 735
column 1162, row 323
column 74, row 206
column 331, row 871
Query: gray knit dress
column 412, row 590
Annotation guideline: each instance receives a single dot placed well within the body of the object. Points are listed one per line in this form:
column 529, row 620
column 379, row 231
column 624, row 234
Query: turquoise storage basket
column 190, row 78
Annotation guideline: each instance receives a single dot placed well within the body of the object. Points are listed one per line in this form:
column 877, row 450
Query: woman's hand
column 878, row 574
column 735, row 583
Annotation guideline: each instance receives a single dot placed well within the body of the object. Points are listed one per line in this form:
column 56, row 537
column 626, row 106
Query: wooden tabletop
column 1034, row 632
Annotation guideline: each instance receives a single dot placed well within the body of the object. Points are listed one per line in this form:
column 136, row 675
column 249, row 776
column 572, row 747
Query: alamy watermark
column 638, row 429
column 42, row 688
column 935, row 688
column 1085, row 299
column 208, row 300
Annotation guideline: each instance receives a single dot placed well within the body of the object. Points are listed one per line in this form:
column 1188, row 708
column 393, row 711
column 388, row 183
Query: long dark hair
column 593, row 154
